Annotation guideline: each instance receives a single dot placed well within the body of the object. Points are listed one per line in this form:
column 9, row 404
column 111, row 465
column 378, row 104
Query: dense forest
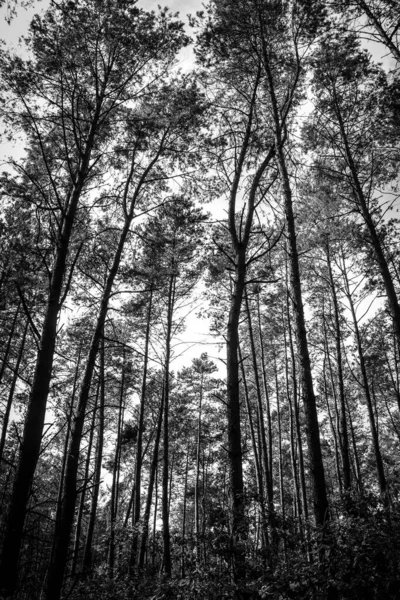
column 253, row 196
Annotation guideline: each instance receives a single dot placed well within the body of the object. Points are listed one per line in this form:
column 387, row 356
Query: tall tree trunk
column 81, row 509
column 165, row 477
column 371, row 227
column 239, row 244
column 344, row 438
column 234, row 429
column 281, row 486
column 9, row 341
column 115, row 477
column 357, row 469
column 64, row 456
column 152, row 476
column 185, row 487
column 320, row 498
column 257, row 465
column 265, row 386
column 296, row 411
column 10, row 399
column 139, row 443
column 333, row 430
column 365, row 385
column 87, row 555
column 197, row 479
column 264, row 454
column 289, row 393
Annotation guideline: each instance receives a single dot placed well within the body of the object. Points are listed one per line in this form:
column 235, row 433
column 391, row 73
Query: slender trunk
column 115, row 478
column 64, row 456
column 366, row 387
column 264, row 453
column 78, row 528
column 237, row 508
column 344, row 437
column 153, row 551
column 203, row 506
column 197, row 481
column 257, row 466
column 289, row 393
column 357, row 469
column 320, row 499
column 87, row 555
column 183, row 549
column 265, row 387
column 302, row 474
column 281, row 487
column 333, row 431
column 165, row 479
column 9, row 340
column 139, row 443
column 152, row 476
column 369, row 222
column 7, row 411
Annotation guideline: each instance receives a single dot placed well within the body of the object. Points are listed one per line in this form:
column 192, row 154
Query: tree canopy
column 199, row 302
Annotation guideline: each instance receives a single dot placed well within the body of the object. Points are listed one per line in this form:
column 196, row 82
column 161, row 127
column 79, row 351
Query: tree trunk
column 237, row 508
column 333, row 430
column 152, row 476
column 115, row 477
column 374, row 432
column 9, row 340
column 139, row 443
column 87, row 555
column 183, row 549
column 344, row 438
column 295, row 409
column 7, row 411
column 266, row 460
column 266, row 394
column 369, row 222
column 197, row 480
column 165, row 478
column 320, row 499
column 78, row 528
column 257, row 466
